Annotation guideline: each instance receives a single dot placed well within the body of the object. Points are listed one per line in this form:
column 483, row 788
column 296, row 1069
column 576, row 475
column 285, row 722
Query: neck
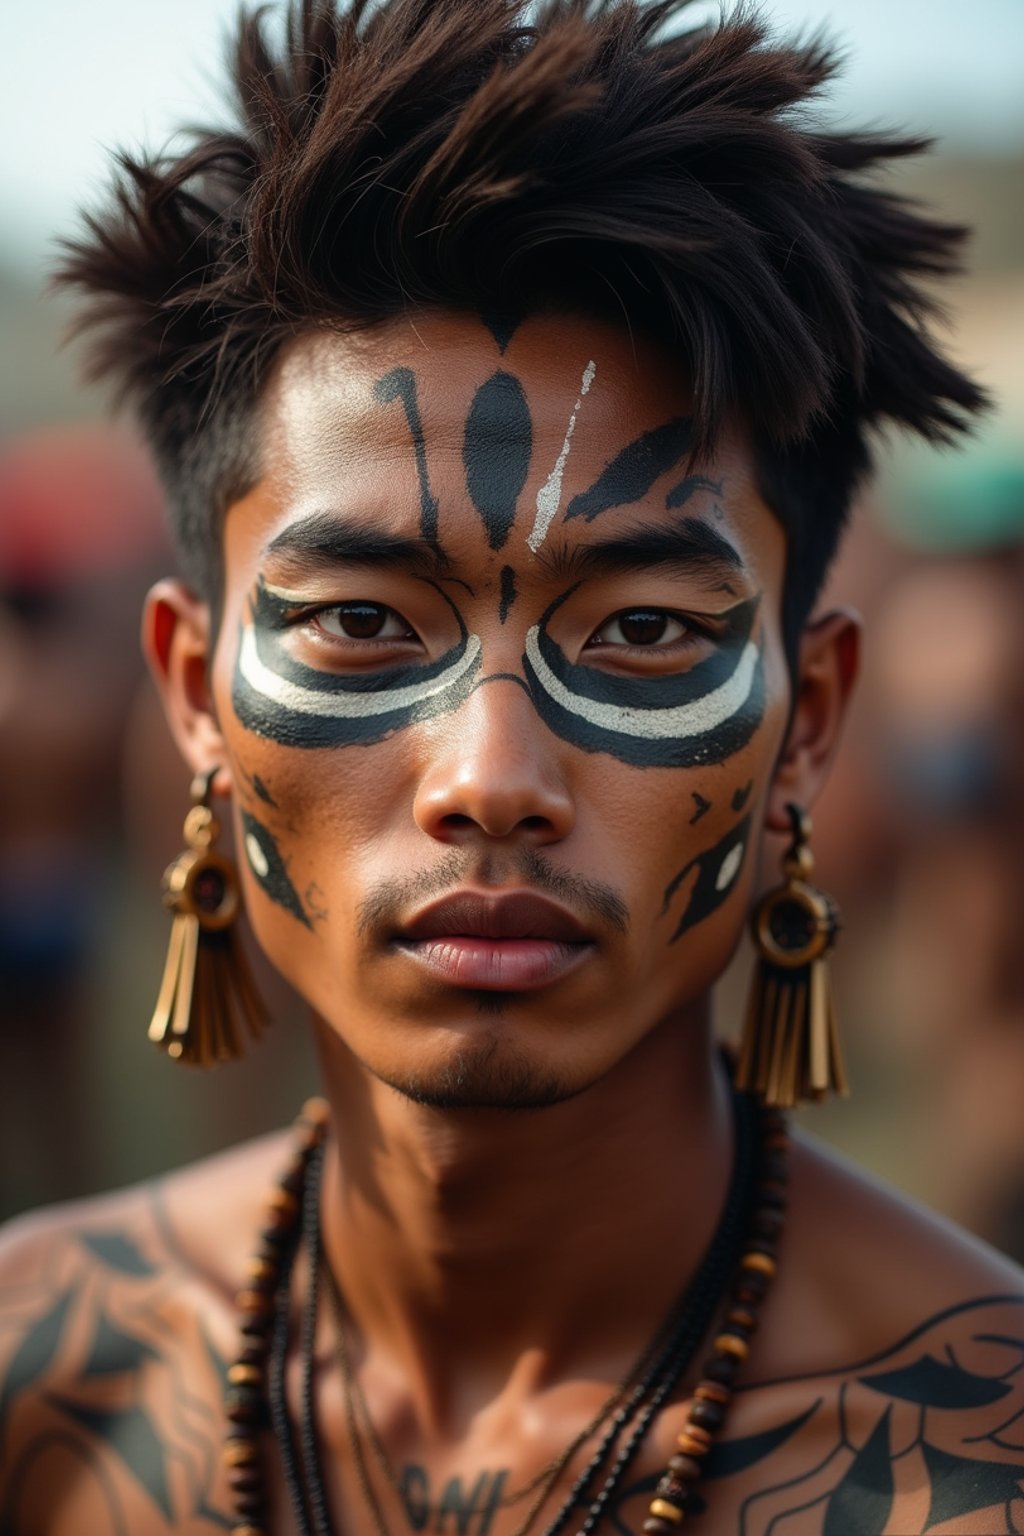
column 478, row 1247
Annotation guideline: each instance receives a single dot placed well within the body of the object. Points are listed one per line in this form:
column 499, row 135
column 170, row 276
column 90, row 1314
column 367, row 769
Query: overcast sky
column 78, row 76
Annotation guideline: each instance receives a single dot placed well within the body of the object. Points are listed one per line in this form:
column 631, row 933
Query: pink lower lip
column 497, row 965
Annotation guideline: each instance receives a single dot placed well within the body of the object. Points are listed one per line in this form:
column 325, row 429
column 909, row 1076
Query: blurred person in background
column 511, row 388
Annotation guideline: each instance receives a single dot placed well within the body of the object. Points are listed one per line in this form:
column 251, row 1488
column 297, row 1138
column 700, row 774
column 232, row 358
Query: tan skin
column 503, row 1267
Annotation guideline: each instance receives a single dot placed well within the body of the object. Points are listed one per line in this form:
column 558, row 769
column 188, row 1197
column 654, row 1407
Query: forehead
column 447, row 412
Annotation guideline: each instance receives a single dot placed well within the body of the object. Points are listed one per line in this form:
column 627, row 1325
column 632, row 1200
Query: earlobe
column 827, row 667
column 175, row 642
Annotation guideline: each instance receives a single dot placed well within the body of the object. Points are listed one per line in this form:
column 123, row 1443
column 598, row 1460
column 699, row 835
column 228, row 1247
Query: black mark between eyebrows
column 497, row 448
column 680, row 494
column 329, row 538
column 400, row 384
column 685, row 546
column 508, row 592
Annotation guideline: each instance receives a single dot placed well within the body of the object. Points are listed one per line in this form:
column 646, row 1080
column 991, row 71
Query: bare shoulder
column 116, row 1325
column 885, row 1388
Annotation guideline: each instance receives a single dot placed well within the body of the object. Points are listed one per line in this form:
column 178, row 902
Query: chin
column 485, row 1073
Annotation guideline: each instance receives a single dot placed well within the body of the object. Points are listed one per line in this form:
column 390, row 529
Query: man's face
column 501, row 683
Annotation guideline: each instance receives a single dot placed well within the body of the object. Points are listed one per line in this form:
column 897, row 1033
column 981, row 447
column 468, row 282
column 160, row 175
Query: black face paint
column 680, row 494
column 717, row 871
column 501, row 327
column 700, row 807
column 631, row 474
column 741, row 796
column 262, row 790
column 496, row 451
column 508, row 592
column 400, row 384
column 267, row 865
column 700, row 716
column 278, row 697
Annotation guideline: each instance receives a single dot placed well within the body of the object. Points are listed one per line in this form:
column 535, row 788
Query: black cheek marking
column 717, row 872
column 496, row 451
column 313, row 898
column 741, row 796
column 400, row 384
column 680, row 494
column 508, row 592
column 631, row 474
column 265, row 861
column 262, row 790
column 700, row 807
column 501, row 327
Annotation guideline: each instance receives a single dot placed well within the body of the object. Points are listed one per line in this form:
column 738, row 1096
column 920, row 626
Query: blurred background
column 920, row 835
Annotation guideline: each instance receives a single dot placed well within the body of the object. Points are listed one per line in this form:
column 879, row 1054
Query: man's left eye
column 640, row 627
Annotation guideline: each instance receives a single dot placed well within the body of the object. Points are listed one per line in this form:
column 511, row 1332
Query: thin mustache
column 584, row 897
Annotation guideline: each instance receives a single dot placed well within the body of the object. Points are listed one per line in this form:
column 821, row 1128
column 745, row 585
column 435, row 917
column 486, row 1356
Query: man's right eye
column 361, row 620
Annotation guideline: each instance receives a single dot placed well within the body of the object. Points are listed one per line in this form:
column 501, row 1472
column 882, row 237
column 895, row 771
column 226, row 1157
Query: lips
column 510, row 942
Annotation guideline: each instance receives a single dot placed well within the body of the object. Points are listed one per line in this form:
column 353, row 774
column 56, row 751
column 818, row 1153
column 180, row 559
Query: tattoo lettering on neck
column 496, row 451
column 461, row 1509
column 717, row 871
column 400, row 384
column 508, row 592
column 265, row 861
column 629, row 477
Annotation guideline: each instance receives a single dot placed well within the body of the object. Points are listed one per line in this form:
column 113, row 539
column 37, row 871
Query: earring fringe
column 791, row 1049
column 207, row 995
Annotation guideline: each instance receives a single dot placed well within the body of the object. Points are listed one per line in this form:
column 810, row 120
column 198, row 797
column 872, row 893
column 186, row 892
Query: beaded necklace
column 742, row 1251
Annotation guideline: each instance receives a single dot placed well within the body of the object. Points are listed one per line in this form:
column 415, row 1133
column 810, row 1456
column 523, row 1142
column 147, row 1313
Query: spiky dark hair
column 493, row 156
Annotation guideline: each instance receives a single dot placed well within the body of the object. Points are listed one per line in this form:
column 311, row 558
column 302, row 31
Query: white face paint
column 697, row 718
column 730, row 868
column 550, row 494
column 257, row 858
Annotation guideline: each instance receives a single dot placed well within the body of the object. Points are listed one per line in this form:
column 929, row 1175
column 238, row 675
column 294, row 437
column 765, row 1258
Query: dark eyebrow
column 327, row 537
column 686, row 546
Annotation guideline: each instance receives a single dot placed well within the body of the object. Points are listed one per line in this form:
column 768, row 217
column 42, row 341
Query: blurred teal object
column 950, row 501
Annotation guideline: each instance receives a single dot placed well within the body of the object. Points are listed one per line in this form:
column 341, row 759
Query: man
column 510, row 385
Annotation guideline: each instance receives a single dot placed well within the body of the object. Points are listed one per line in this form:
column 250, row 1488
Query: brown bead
column 240, row 1451
column 732, row 1344
column 281, row 1202
column 294, row 1180
column 768, row 1245
column 255, row 1303
column 256, row 1325
column 689, row 1444
column 248, row 1530
column 246, row 1479
column 752, row 1288
column 262, row 1267
column 722, row 1368
column 254, row 1352
column 661, row 1509
column 761, row 1263
column 244, row 1405
column 243, row 1375
column 686, row 1468
column 250, row 1506
column 708, row 1415
column 713, row 1392
column 655, row 1527
column 273, row 1239
column 742, row 1317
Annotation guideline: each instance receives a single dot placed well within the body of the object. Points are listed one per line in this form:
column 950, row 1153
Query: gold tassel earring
column 791, row 1047
column 207, row 992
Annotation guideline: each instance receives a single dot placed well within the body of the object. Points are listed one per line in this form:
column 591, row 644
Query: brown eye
column 362, row 621
column 640, row 627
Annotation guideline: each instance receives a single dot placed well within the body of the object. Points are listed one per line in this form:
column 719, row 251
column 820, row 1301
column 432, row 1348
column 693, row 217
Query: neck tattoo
column 721, row 1300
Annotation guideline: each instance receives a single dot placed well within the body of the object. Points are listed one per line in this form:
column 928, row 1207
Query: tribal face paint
column 278, row 697
column 696, row 717
column 264, row 859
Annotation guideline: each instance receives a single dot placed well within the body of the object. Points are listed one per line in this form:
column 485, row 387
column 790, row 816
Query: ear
column 827, row 667
column 175, row 642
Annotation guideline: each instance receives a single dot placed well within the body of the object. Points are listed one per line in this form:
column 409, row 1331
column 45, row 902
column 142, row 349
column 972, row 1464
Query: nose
column 494, row 770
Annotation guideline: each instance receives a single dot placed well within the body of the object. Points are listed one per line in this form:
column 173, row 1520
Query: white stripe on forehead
column 344, row 706
column 678, row 722
column 550, row 494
